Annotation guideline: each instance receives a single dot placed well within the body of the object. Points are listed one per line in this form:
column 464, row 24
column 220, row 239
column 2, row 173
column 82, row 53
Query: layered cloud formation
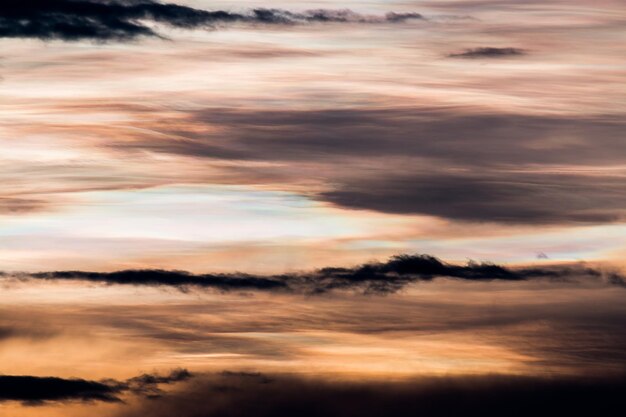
column 154, row 150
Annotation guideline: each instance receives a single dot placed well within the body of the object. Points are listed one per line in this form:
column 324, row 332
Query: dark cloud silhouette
column 488, row 52
column 370, row 278
column 450, row 163
column 35, row 390
column 234, row 394
column 106, row 20
column 179, row 279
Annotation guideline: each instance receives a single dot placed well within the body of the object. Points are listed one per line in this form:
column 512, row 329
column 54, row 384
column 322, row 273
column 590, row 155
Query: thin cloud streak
column 371, row 278
column 488, row 52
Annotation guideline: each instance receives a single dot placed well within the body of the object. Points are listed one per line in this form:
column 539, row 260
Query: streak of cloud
column 371, row 278
column 488, row 52
column 122, row 20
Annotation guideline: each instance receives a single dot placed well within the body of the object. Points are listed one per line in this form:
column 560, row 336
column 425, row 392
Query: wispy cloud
column 127, row 19
column 488, row 52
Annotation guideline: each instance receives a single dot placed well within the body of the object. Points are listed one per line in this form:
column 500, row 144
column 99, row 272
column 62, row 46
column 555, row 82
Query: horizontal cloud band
column 246, row 393
column 33, row 390
column 371, row 278
column 488, row 52
column 127, row 19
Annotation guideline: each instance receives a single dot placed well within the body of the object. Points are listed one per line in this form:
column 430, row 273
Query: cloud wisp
column 370, row 278
column 35, row 390
column 488, row 52
column 108, row 20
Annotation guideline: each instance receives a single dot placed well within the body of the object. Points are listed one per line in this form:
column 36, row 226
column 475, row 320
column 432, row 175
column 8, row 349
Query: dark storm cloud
column 370, row 278
column 35, row 390
column 493, row 167
column 127, row 19
column 488, row 52
column 235, row 394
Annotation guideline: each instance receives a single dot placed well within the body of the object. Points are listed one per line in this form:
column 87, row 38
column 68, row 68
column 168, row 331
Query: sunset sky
column 323, row 171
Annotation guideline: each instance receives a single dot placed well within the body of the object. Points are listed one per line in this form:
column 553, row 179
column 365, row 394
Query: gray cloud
column 497, row 167
column 517, row 198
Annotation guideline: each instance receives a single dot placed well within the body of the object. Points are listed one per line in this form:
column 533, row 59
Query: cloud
column 235, row 394
column 107, row 20
column 148, row 384
column 370, row 278
column 511, row 197
column 14, row 206
column 488, row 52
column 178, row 279
column 8, row 332
column 450, row 163
column 35, row 390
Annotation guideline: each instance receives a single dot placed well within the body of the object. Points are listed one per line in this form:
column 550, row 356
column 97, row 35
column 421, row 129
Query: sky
column 410, row 199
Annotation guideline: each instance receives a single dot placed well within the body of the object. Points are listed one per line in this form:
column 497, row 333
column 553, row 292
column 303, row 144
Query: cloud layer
column 370, row 278
column 106, row 20
column 235, row 394
column 451, row 163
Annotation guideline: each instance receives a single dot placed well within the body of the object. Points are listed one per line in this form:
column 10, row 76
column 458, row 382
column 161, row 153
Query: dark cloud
column 456, row 136
column 515, row 198
column 488, row 52
column 234, row 394
column 449, row 163
column 370, row 278
column 35, row 390
column 127, row 19
column 179, row 279
column 148, row 384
